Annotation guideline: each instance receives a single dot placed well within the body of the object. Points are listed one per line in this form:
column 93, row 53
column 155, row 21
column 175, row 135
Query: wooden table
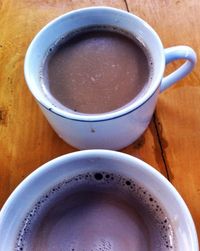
column 170, row 144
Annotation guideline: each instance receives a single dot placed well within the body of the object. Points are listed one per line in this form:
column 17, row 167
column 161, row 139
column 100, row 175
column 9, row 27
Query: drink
column 111, row 109
column 96, row 211
column 96, row 70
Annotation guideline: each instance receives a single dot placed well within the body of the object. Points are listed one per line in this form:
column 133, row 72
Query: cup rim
column 97, row 153
column 136, row 104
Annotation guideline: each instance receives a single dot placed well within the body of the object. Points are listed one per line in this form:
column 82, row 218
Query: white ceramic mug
column 22, row 200
column 119, row 128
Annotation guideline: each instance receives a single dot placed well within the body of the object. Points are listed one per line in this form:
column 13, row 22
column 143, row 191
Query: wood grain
column 178, row 109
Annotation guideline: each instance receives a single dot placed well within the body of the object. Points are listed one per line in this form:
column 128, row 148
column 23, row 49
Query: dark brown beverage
column 96, row 212
column 96, row 70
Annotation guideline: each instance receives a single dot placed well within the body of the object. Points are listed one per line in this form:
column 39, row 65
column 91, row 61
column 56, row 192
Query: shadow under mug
column 64, row 168
column 119, row 128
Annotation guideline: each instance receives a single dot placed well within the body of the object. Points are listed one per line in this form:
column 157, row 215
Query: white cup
column 67, row 166
column 119, row 128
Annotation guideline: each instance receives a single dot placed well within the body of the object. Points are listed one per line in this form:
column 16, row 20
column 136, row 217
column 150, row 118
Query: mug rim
column 96, row 153
column 128, row 108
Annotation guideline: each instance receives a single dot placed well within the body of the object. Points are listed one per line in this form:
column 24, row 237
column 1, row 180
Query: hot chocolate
column 96, row 70
column 96, row 212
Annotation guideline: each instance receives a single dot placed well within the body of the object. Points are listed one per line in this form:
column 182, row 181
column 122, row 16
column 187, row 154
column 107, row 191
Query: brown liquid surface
column 91, row 221
column 96, row 212
column 96, row 71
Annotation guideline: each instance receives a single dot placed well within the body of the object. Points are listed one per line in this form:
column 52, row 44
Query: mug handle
column 174, row 53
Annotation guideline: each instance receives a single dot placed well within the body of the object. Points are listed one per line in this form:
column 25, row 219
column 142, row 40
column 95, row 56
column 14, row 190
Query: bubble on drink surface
column 101, row 180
